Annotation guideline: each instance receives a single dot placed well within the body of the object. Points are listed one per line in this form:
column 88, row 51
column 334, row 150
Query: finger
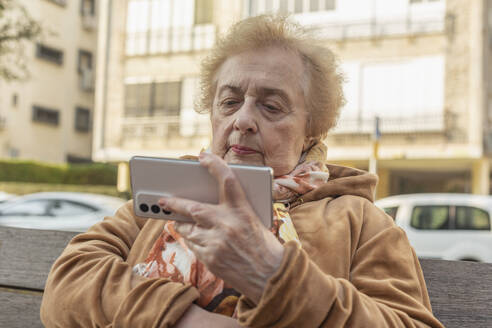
column 196, row 248
column 183, row 228
column 230, row 189
column 198, row 212
column 208, row 256
column 191, row 232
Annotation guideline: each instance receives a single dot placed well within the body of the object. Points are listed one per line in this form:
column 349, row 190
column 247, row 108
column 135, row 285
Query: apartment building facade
column 48, row 117
column 419, row 66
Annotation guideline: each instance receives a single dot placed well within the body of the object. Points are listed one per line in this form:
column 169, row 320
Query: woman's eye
column 271, row 108
column 229, row 106
column 230, row 102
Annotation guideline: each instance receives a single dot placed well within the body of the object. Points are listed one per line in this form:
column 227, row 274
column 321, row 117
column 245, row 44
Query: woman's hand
column 228, row 237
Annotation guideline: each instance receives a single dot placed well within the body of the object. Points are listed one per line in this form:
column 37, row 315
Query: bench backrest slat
column 26, row 255
column 460, row 292
column 19, row 309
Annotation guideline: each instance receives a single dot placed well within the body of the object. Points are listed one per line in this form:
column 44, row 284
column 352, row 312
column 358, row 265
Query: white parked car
column 5, row 196
column 445, row 226
column 68, row 211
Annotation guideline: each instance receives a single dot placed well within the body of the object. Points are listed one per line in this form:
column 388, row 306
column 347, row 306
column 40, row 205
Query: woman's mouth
column 243, row 150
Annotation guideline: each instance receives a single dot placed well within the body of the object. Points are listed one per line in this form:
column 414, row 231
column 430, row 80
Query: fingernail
column 162, row 202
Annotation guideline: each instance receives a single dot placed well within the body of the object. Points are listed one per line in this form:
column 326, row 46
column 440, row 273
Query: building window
column 45, row 115
column 59, row 2
column 153, row 99
column 85, row 61
column 407, row 94
column 86, row 73
column 283, row 7
column 204, row 10
column 329, row 4
column 88, row 14
column 82, row 119
column 313, row 5
column 15, row 100
column 164, row 26
column 138, row 99
column 423, row 1
column 50, row 54
column 298, row 6
column 87, row 7
column 258, row 7
column 167, row 99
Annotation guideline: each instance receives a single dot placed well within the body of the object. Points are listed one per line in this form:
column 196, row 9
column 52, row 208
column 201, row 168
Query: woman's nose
column 245, row 120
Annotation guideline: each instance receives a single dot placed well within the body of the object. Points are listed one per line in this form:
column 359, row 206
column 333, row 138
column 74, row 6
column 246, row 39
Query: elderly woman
column 332, row 259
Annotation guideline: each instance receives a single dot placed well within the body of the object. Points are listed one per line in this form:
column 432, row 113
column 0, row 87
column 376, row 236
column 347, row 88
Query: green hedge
column 74, row 174
column 23, row 188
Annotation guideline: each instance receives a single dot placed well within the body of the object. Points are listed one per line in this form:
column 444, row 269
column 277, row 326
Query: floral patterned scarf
column 170, row 257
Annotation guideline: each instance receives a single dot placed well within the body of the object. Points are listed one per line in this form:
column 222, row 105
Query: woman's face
column 258, row 114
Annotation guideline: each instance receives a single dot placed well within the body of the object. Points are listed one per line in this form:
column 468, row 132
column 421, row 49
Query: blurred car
column 444, row 226
column 68, row 211
column 5, row 196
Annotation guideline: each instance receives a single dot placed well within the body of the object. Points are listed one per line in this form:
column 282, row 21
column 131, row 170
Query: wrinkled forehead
column 264, row 69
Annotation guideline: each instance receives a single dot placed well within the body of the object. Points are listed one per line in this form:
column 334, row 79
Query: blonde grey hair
column 323, row 95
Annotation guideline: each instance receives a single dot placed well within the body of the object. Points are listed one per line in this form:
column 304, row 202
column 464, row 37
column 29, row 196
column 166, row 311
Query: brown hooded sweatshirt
column 355, row 269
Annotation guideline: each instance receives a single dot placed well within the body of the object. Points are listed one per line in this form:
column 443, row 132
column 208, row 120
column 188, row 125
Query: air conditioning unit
column 87, row 79
column 89, row 21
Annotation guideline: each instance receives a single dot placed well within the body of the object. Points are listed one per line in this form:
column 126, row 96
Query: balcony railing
column 376, row 29
column 163, row 127
column 170, row 40
column 170, row 127
column 396, row 125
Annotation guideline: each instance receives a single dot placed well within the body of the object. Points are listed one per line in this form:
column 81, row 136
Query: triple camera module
column 154, row 208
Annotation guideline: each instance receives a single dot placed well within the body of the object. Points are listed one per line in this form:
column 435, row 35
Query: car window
column 30, row 207
column 472, row 218
column 430, row 217
column 68, row 208
column 391, row 211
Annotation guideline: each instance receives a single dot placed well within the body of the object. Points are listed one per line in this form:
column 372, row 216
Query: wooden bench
column 460, row 292
column 26, row 257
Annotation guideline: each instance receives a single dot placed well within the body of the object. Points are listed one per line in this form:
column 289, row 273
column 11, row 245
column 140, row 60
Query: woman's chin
column 247, row 159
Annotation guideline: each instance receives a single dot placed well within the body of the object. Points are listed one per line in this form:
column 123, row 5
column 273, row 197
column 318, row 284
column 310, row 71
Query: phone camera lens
column 166, row 212
column 144, row 207
column 156, row 209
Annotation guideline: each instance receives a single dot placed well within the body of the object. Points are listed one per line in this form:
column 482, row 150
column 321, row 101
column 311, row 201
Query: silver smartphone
column 152, row 178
